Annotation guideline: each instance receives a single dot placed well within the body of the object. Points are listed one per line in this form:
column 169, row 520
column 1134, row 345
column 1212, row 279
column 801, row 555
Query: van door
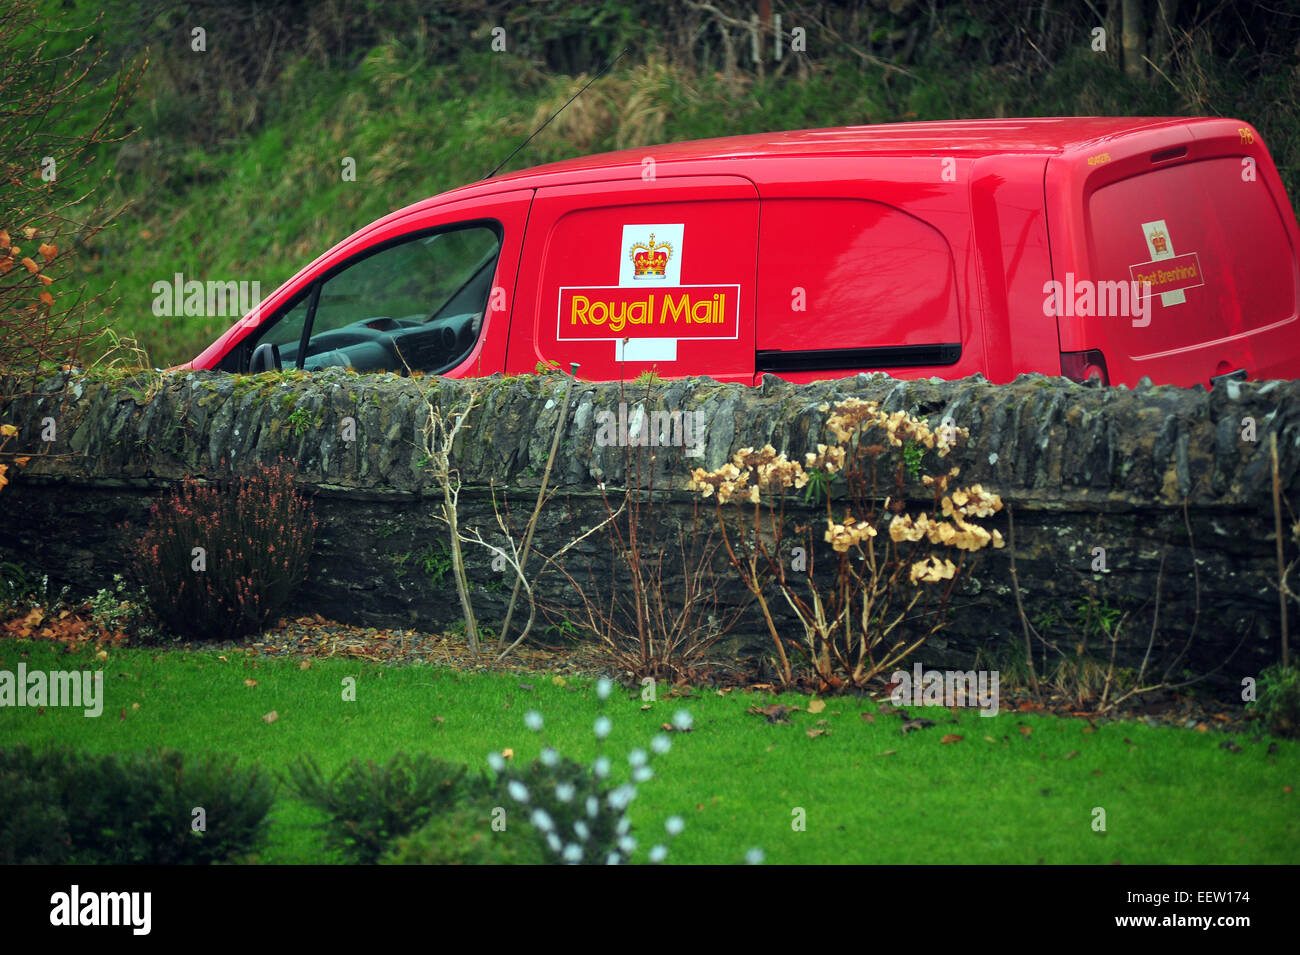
column 641, row 275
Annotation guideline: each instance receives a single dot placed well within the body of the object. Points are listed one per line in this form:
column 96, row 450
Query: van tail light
column 1085, row 366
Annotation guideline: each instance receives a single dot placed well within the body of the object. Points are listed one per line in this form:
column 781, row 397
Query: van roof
column 967, row 137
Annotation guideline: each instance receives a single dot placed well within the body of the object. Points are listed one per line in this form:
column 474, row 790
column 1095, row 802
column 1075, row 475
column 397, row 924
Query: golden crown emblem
column 1158, row 241
column 650, row 258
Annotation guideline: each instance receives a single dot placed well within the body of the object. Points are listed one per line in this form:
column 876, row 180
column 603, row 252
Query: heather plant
column 581, row 811
column 218, row 562
column 892, row 573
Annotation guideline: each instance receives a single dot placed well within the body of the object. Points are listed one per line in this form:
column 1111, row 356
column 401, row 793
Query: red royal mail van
column 1091, row 247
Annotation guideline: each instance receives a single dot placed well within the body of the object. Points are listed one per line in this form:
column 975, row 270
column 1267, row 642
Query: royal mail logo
column 650, row 258
column 651, row 253
column 1167, row 274
column 1173, row 274
column 615, row 312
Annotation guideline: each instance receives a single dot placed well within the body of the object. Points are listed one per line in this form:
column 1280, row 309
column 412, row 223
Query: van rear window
column 1209, row 239
column 852, row 275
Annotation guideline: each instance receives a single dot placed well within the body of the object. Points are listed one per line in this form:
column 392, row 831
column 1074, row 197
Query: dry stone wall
column 1174, row 484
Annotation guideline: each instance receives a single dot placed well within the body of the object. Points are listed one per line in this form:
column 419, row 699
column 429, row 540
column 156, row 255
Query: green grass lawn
column 1170, row 795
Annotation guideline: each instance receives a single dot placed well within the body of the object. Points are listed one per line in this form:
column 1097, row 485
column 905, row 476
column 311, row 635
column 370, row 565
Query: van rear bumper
column 1272, row 351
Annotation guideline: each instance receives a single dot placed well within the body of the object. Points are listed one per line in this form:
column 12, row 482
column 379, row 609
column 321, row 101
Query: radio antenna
column 556, row 113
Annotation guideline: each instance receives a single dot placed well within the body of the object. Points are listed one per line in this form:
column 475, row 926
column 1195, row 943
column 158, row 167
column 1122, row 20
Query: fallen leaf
column 1201, row 728
column 952, row 738
column 776, row 713
column 888, row 752
column 525, row 686
column 918, row 724
column 1287, row 790
column 223, row 659
column 120, row 717
column 507, row 753
column 1071, row 754
column 250, row 683
column 989, row 739
column 1026, row 730
column 813, row 734
column 557, row 681
column 101, row 656
column 439, row 719
column 135, row 706
column 816, row 706
column 271, row 717
column 869, row 717
column 304, row 665
column 646, row 707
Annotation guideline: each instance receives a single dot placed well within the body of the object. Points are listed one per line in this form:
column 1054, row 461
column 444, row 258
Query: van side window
column 416, row 304
column 877, row 283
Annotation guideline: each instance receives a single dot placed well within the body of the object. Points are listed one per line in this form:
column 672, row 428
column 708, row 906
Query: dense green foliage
column 369, row 805
column 1278, row 702
column 65, row 806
